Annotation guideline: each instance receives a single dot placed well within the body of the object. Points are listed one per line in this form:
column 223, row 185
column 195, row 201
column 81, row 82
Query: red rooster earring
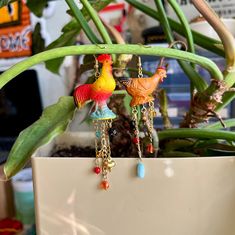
column 141, row 89
column 102, row 116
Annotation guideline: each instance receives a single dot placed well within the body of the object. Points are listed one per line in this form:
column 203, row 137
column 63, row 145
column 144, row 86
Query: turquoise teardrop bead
column 98, row 134
column 140, row 170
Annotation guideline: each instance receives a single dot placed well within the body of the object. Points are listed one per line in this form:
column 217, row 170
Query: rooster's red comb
column 102, row 58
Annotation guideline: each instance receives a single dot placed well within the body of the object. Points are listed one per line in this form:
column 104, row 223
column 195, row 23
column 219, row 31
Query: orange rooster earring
column 141, row 89
column 102, row 116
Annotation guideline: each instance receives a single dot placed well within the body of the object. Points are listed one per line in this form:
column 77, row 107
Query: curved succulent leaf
column 53, row 121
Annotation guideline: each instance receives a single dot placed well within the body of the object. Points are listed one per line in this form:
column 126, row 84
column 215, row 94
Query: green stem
column 217, row 125
column 188, row 35
column 164, row 21
column 200, row 39
column 199, row 83
column 111, row 49
column 185, row 25
column 230, row 77
column 224, row 34
column 97, row 21
column 196, row 133
column 228, row 97
column 163, row 108
column 81, row 19
column 120, row 92
column 145, row 72
column 194, row 77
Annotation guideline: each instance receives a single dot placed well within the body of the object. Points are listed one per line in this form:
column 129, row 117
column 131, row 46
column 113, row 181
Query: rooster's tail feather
column 82, row 94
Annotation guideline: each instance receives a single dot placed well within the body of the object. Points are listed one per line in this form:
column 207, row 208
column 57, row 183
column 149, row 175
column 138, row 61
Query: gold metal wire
column 108, row 125
column 152, row 114
column 137, row 133
column 139, row 66
column 96, row 68
column 104, row 148
column 147, row 117
column 96, row 127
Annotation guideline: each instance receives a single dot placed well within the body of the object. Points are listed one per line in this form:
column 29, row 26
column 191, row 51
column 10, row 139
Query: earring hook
column 170, row 46
column 96, row 67
column 139, row 66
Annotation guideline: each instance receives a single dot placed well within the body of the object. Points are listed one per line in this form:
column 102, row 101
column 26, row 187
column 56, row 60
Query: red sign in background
column 15, row 30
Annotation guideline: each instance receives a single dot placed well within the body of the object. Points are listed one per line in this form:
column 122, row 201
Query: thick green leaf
column 70, row 26
column 37, row 6
column 54, row 65
column 38, row 40
column 65, row 40
column 53, row 121
column 216, row 149
column 178, row 145
column 196, row 133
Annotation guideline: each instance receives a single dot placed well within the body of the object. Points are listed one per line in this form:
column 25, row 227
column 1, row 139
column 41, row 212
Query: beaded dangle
column 99, row 92
column 141, row 89
column 148, row 114
column 103, row 162
column 103, row 127
column 136, row 140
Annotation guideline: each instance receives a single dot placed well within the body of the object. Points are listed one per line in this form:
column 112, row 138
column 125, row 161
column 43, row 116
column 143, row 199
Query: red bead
column 104, row 185
column 136, row 140
column 150, row 148
column 97, row 170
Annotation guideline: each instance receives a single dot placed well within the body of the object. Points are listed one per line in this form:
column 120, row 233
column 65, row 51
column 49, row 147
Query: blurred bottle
column 24, row 197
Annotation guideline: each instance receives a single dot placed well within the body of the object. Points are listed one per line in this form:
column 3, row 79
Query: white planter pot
column 178, row 196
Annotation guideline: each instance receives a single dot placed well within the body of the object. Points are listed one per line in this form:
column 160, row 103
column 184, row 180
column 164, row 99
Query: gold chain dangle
column 139, row 66
column 140, row 169
column 147, row 118
column 141, row 90
column 99, row 92
column 104, row 162
column 98, row 163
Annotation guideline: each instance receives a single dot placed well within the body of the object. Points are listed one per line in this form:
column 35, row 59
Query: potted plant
column 183, row 194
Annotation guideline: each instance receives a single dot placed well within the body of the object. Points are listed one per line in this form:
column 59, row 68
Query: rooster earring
column 141, row 89
column 102, row 116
